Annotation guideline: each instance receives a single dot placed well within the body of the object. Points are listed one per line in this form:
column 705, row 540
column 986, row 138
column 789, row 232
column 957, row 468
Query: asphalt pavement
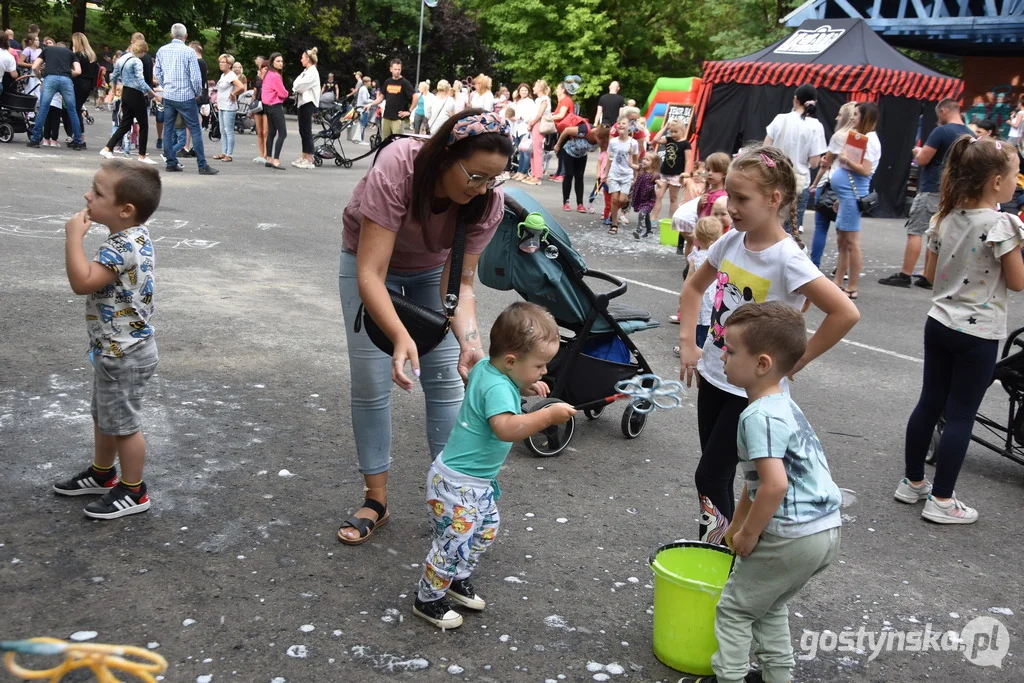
column 235, row 573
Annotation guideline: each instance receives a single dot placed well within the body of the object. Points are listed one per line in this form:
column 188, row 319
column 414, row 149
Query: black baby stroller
column 214, row 122
column 596, row 351
column 15, row 109
column 327, row 143
column 1009, row 372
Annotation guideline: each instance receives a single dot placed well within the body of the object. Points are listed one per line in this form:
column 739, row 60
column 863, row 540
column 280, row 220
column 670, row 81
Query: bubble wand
column 97, row 657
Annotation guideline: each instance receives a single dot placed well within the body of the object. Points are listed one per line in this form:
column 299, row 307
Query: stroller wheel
column 594, row 413
column 553, row 440
column 338, row 161
column 933, row 445
column 317, row 161
column 633, row 422
column 6, row 132
column 347, row 163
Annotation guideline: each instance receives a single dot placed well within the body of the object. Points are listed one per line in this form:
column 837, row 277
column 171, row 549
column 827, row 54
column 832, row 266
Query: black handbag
column 868, row 202
column 825, row 201
column 426, row 326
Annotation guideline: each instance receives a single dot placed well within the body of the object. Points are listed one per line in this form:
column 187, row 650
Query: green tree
column 365, row 35
column 550, row 39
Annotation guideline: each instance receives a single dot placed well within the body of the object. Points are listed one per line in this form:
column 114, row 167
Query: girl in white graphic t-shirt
column 975, row 257
column 755, row 261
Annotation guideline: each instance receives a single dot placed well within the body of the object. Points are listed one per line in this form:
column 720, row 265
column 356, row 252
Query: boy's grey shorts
column 118, row 386
column 924, row 206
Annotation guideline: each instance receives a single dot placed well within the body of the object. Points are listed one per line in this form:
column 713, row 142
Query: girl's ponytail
column 969, row 164
column 807, row 96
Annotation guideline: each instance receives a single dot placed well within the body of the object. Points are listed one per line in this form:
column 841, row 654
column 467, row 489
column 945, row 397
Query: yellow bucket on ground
column 688, row 581
column 668, row 236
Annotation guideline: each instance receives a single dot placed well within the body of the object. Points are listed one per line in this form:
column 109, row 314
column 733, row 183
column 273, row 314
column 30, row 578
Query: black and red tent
column 845, row 60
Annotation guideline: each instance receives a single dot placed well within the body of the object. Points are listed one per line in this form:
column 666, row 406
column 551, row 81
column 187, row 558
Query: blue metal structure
column 957, row 27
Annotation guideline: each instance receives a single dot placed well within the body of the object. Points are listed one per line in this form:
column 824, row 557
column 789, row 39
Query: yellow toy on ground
column 95, row 656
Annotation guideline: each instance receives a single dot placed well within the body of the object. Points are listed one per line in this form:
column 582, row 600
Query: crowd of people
column 742, row 335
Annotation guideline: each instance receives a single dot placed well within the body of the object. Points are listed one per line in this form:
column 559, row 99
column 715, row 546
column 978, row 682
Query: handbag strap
column 451, row 298
column 439, row 112
column 853, row 186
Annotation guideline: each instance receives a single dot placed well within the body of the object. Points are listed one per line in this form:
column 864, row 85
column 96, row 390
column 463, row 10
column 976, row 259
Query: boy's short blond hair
column 772, row 327
column 137, row 184
column 520, row 327
column 707, row 231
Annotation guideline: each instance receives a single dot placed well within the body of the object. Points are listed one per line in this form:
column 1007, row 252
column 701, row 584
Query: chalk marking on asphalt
column 654, row 287
column 887, row 352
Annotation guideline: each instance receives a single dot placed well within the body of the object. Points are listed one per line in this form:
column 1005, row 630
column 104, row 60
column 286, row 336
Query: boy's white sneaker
column 950, row 512
column 439, row 613
column 910, row 494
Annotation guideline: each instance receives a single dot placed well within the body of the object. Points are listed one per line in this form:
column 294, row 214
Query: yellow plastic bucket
column 667, row 236
column 688, row 581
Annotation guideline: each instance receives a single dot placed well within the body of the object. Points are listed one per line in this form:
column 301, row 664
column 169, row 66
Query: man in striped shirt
column 177, row 70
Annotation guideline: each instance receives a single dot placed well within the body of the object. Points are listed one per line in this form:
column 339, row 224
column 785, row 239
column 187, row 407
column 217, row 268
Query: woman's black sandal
column 365, row 526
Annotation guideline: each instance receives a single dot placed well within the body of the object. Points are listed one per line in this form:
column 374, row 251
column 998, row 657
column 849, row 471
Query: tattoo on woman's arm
column 471, row 335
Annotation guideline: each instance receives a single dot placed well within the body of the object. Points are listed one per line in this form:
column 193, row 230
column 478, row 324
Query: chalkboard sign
column 682, row 112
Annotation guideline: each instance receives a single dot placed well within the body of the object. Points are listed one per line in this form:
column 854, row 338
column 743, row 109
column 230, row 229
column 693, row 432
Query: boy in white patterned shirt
column 119, row 283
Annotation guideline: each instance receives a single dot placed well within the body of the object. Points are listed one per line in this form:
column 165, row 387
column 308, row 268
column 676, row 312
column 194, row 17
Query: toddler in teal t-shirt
column 461, row 489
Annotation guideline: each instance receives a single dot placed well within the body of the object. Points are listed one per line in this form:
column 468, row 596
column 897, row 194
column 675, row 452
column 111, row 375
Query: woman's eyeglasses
column 475, row 180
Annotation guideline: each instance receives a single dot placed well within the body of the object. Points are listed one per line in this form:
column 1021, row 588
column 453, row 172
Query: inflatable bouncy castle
column 679, row 93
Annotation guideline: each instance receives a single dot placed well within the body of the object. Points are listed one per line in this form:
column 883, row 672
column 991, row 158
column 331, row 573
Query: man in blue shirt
column 177, row 70
column 929, row 159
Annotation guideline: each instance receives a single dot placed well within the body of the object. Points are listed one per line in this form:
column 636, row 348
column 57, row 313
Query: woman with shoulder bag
column 538, row 130
column 822, row 195
column 441, row 106
column 422, row 208
column 851, row 183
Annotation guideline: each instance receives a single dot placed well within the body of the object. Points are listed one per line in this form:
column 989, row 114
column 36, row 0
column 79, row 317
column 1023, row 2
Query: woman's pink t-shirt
column 384, row 196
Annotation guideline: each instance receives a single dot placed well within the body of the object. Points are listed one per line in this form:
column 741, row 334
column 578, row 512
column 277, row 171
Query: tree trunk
column 78, row 20
column 5, row 14
column 225, row 27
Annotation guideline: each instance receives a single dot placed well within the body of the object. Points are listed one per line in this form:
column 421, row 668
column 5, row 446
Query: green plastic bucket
column 666, row 235
column 688, row 581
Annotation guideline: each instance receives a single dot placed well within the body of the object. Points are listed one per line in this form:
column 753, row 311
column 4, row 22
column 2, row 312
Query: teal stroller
column 596, row 351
